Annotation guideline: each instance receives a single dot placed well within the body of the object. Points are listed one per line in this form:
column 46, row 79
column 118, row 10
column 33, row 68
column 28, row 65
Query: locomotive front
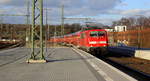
column 96, row 41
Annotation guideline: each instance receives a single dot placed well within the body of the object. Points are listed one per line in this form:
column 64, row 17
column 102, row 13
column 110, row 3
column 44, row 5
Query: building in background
column 120, row 28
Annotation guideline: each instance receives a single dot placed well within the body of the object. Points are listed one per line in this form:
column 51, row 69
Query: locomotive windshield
column 97, row 33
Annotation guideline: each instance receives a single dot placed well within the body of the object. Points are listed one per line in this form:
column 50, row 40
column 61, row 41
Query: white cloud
column 132, row 11
column 4, row 1
column 124, row 4
column 106, row 21
column 2, row 11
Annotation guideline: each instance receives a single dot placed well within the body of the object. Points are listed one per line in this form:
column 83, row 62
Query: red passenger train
column 93, row 40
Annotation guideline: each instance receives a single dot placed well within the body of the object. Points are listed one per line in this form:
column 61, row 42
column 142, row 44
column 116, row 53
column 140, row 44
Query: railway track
column 12, row 55
column 10, row 45
column 9, row 58
column 12, row 61
column 139, row 75
column 142, row 74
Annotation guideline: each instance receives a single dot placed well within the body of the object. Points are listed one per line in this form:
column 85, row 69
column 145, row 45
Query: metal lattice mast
column 28, row 12
column 13, row 15
column 33, row 26
column 41, row 31
column 37, row 14
column 47, row 24
column 24, row 15
column 28, row 29
column 62, row 20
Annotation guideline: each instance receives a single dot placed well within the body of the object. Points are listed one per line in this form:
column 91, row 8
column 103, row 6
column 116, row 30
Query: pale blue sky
column 134, row 4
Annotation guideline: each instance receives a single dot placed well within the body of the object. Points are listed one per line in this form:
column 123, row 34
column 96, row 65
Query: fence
column 136, row 38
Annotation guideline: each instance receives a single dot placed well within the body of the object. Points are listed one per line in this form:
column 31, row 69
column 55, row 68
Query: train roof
column 57, row 37
column 94, row 30
column 83, row 30
column 90, row 28
column 76, row 33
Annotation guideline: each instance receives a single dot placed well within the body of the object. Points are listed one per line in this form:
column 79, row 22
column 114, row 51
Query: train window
column 97, row 33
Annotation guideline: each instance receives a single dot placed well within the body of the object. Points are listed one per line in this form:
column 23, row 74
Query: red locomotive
column 91, row 40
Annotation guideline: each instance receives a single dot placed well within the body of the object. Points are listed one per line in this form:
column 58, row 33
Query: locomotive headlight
column 102, row 42
column 92, row 42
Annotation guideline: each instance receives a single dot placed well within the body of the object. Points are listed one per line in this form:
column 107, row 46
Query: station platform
column 64, row 64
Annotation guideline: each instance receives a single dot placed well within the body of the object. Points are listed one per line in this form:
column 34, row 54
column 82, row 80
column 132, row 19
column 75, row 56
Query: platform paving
column 105, row 70
column 64, row 64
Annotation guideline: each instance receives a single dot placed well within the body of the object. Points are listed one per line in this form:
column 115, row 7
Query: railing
column 136, row 38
